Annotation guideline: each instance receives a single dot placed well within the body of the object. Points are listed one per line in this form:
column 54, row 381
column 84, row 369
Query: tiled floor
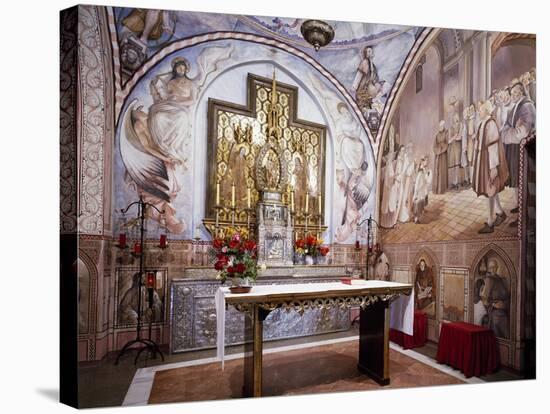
column 103, row 384
column 322, row 369
column 454, row 215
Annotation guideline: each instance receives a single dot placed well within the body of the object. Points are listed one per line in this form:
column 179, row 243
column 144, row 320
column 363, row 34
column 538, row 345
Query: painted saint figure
column 455, row 150
column 440, row 163
column 424, row 288
column 366, row 83
column 520, row 123
column 422, row 185
column 490, row 167
column 405, row 209
column 495, row 296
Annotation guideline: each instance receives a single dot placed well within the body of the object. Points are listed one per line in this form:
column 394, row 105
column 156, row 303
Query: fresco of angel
column 154, row 145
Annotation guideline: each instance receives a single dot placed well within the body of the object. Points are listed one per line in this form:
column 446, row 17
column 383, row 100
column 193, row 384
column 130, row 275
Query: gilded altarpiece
column 236, row 136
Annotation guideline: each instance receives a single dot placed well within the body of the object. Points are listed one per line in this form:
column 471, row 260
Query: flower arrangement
column 312, row 246
column 236, row 256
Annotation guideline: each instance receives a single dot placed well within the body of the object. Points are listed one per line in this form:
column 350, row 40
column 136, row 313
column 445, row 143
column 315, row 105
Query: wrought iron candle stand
column 148, row 344
column 369, row 222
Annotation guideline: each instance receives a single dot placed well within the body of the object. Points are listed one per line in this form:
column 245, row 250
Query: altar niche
column 236, row 136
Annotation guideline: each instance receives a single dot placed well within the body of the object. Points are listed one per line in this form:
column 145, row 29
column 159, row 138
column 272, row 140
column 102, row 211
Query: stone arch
column 503, row 39
column 124, row 92
column 426, row 252
column 511, row 270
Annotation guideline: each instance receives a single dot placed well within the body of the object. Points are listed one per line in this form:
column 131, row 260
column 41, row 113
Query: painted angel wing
column 362, row 190
column 147, row 170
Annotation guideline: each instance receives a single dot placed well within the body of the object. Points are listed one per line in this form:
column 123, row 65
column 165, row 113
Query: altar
column 373, row 297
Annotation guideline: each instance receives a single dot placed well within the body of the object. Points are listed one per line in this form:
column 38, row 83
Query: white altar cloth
column 402, row 308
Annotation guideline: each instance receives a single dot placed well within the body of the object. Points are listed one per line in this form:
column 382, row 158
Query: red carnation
column 233, row 244
column 220, row 264
column 324, row 250
column 240, row 268
column 231, row 269
column 311, row 241
column 217, row 243
column 300, row 243
column 250, row 245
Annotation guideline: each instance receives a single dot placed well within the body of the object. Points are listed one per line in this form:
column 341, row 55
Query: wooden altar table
column 372, row 296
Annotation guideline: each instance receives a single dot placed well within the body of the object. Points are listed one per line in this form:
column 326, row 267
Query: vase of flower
column 236, row 259
column 321, row 257
column 309, row 260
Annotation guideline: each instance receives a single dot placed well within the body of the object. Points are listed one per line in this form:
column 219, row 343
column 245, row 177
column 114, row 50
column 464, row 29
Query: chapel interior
column 320, row 152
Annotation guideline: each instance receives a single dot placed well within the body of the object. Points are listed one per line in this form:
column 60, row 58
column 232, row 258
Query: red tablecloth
column 418, row 339
column 470, row 348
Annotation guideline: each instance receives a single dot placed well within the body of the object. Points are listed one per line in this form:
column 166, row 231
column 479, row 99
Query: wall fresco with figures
column 449, row 163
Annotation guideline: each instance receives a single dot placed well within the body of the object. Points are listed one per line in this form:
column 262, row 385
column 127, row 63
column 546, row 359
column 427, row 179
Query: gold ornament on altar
column 262, row 147
column 271, row 170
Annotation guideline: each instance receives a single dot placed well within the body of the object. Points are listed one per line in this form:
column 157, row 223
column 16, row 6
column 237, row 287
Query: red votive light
column 151, row 280
column 122, row 240
column 162, row 242
column 137, row 248
column 357, row 246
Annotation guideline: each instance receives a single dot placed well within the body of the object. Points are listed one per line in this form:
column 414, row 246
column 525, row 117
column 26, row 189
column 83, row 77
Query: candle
column 162, row 241
column 137, row 248
column 150, row 280
column 248, row 197
column 218, row 192
column 292, row 201
column 319, row 202
column 122, row 240
column 233, row 195
column 307, row 203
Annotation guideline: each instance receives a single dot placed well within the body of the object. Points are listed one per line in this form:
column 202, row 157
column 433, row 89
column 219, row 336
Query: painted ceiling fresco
column 390, row 44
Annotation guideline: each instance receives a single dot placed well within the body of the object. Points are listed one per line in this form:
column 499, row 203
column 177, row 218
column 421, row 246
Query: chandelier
column 317, row 33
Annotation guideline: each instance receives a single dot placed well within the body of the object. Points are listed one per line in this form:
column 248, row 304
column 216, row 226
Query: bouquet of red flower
column 236, row 256
column 311, row 245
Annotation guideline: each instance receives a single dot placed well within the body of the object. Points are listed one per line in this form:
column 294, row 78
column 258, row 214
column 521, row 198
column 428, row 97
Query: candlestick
column 151, row 280
column 137, row 248
column 248, row 197
column 122, row 240
column 218, row 192
column 307, row 203
column 162, row 241
column 233, row 194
